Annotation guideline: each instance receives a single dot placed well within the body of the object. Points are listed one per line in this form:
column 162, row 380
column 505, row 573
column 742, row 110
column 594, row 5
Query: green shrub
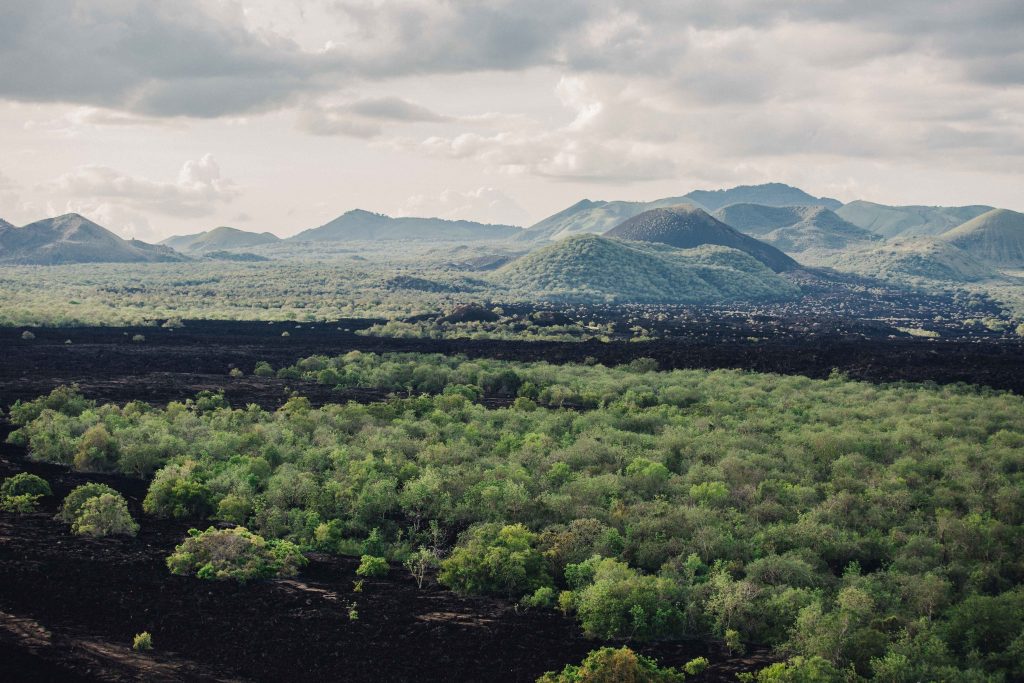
column 174, row 492
column 263, row 369
column 696, row 666
column 235, row 554
column 142, row 642
column 25, row 484
column 496, row 559
column 104, row 515
column 74, row 501
column 21, row 493
column 608, row 665
column 25, row 502
column 620, row 602
column 372, row 566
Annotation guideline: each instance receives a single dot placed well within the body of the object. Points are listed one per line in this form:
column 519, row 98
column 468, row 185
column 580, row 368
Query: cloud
column 363, row 118
column 152, row 57
column 80, row 119
column 197, row 191
column 484, row 204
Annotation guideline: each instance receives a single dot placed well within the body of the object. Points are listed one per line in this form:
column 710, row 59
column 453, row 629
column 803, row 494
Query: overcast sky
column 159, row 117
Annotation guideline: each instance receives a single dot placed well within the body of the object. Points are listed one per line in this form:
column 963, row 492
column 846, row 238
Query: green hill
column 913, row 258
column 996, row 237
column 593, row 268
column 686, row 227
column 219, row 239
column 72, row 238
column 795, row 229
column 359, row 225
column 891, row 221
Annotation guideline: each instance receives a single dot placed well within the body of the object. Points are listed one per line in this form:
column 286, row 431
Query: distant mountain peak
column 362, row 225
column 73, row 238
column 767, row 194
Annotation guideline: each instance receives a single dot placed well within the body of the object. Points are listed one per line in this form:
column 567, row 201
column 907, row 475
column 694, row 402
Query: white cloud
column 197, row 191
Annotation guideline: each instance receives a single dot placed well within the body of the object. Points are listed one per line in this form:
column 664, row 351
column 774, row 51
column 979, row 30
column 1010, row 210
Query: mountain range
column 359, row 225
column 796, row 229
column 598, row 217
column 891, row 221
column 219, row 239
column 71, row 238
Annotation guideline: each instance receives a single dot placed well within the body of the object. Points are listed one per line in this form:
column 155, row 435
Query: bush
column 372, row 566
column 74, row 501
column 235, row 373
column 27, row 336
column 138, row 338
column 21, row 493
column 25, row 502
column 235, row 554
column 496, row 559
column 619, row 602
column 609, row 665
column 175, row 493
column 263, row 369
column 696, row 667
column 104, row 515
column 25, row 484
column 142, row 642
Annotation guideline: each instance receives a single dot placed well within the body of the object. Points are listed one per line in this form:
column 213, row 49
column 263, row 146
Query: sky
column 161, row 117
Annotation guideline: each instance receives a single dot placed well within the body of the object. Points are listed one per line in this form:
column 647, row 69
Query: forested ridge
column 861, row 530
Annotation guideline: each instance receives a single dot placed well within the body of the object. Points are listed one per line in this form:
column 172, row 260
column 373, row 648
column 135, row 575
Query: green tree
column 496, row 559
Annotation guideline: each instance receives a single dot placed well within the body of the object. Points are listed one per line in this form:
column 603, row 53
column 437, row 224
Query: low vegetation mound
column 592, row 268
column 686, row 227
column 996, row 237
column 236, row 554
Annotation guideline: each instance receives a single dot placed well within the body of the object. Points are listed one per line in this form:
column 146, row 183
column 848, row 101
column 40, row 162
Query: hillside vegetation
column 876, row 529
column 592, row 268
column 907, row 259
